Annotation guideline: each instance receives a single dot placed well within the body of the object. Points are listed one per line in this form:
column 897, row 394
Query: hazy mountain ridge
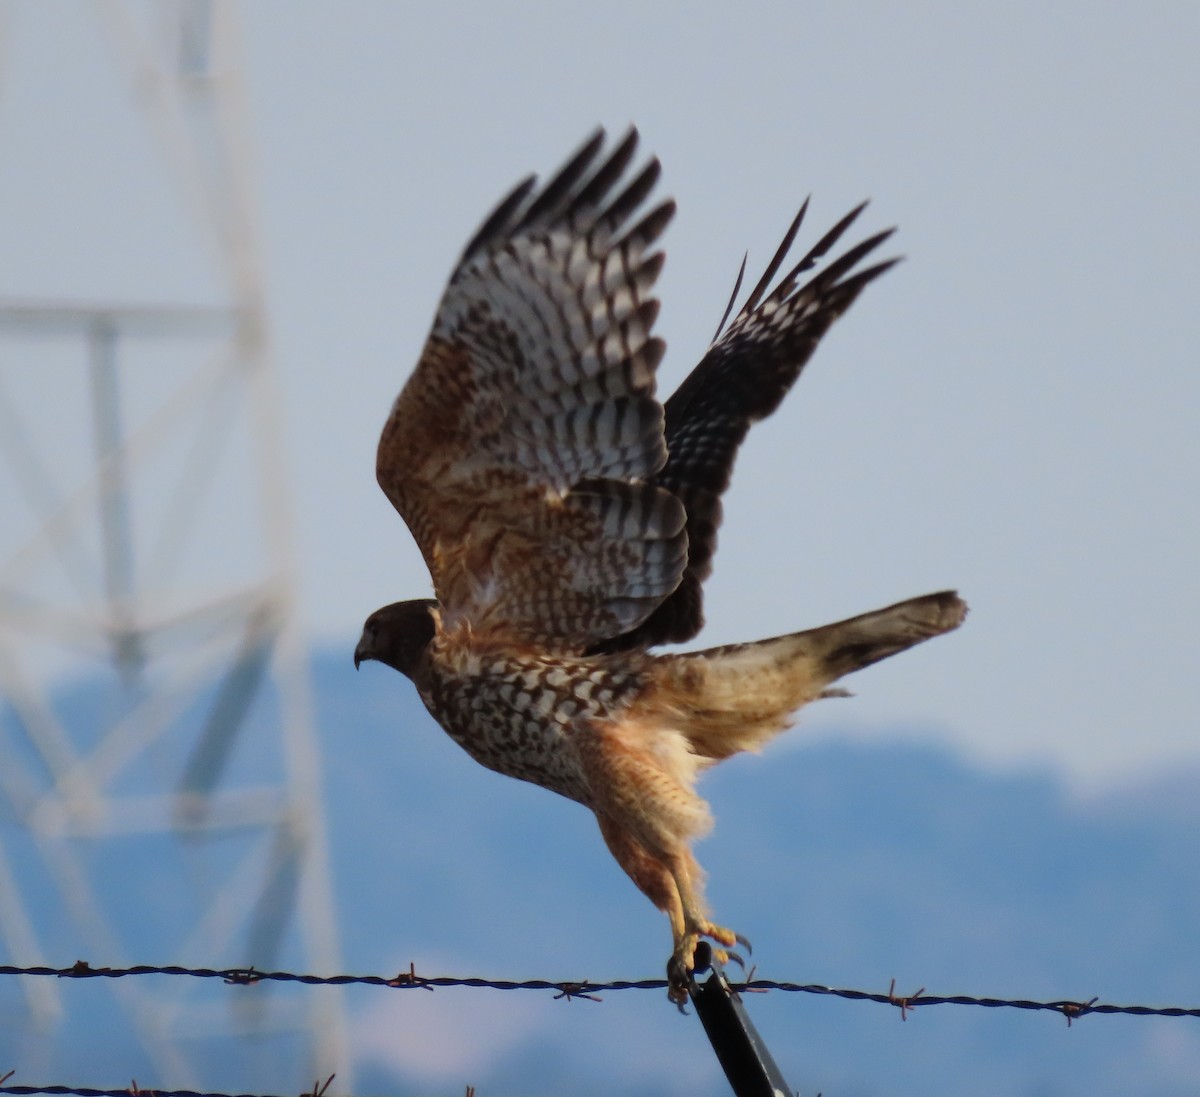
column 846, row 864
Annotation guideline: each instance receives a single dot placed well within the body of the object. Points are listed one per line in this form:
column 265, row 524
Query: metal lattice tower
column 169, row 798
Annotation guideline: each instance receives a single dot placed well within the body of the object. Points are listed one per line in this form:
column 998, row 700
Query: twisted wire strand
column 86, row 1091
column 565, row 989
column 587, row 988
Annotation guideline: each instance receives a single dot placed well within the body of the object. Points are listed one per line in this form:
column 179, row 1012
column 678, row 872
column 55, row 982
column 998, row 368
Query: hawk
column 569, row 519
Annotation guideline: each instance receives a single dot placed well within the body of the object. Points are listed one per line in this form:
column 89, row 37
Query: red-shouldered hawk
column 568, row 520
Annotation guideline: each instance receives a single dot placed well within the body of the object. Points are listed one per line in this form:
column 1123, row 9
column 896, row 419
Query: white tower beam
column 173, row 795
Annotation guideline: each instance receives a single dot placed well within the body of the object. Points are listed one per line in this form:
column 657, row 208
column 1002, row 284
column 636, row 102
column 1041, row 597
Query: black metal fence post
column 745, row 1058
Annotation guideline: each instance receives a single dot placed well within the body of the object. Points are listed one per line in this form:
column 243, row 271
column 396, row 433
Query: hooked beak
column 359, row 656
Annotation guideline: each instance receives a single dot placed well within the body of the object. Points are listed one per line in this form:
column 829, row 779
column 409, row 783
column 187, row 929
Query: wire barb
column 569, row 991
column 1072, row 1010
column 319, row 1089
column 903, row 1004
column 410, row 978
column 247, row 977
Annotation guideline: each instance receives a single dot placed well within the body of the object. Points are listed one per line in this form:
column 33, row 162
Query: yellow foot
column 722, row 936
column 683, row 960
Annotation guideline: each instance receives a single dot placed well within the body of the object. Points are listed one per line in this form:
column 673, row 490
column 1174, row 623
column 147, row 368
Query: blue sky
column 1012, row 411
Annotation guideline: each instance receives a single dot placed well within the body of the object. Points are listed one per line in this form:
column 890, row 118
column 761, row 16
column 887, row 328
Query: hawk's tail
column 737, row 697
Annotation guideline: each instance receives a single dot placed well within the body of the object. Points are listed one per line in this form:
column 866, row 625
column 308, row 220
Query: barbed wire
column 86, row 1091
column 319, row 1089
column 564, row 989
column 587, row 989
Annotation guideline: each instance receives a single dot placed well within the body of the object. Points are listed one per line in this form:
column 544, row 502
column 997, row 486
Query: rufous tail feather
column 737, row 697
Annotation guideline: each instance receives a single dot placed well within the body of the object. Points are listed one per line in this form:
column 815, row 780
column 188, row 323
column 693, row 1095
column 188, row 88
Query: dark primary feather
column 743, row 378
column 564, row 199
column 548, row 205
column 499, row 221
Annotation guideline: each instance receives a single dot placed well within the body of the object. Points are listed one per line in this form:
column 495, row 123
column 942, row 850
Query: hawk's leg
column 646, row 870
column 686, row 874
column 670, row 883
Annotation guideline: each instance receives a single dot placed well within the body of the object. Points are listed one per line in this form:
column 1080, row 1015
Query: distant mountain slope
column 846, row 864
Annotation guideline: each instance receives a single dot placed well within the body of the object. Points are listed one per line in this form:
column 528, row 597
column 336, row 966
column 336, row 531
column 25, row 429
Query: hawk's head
column 397, row 635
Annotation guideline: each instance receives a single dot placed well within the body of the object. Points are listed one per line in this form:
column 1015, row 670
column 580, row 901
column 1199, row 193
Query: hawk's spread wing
column 521, row 451
column 741, row 379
